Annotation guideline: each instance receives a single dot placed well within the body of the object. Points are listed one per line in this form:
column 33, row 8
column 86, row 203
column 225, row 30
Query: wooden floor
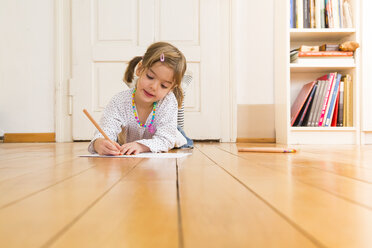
column 320, row 196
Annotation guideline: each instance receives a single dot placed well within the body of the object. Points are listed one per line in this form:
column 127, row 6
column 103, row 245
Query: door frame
column 63, row 65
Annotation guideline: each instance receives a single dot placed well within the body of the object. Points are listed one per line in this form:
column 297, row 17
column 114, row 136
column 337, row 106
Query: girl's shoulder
column 123, row 96
column 169, row 99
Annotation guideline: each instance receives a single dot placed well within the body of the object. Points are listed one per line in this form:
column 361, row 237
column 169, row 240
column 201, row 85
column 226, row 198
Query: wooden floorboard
column 140, row 211
column 302, row 170
column 38, row 219
column 216, row 197
column 332, row 221
column 217, row 211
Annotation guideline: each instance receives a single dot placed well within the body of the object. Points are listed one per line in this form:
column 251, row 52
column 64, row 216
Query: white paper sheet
column 142, row 155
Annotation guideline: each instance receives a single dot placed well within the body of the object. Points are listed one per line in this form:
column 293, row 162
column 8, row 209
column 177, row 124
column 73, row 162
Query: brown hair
column 173, row 58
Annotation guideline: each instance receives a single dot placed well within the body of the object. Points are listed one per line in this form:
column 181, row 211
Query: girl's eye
column 149, row 77
column 164, row 86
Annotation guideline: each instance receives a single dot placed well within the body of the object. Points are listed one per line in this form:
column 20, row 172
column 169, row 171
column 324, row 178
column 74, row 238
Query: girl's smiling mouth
column 148, row 94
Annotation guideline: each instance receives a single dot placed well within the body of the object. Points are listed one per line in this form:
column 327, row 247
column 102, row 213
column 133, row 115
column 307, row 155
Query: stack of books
column 324, row 102
column 320, row 14
column 326, row 54
column 334, row 58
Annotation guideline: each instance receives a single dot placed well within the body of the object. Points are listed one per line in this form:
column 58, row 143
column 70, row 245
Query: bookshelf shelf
column 323, row 129
column 319, row 68
column 291, row 77
column 315, row 34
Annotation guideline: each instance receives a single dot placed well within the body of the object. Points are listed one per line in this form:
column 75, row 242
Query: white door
column 106, row 34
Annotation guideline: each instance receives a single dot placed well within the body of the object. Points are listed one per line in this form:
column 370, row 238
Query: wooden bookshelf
column 289, row 78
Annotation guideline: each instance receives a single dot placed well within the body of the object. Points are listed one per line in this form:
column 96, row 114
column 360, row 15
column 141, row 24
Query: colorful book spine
column 325, row 54
column 291, row 13
column 308, row 103
column 335, row 112
column 331, row 106
column 328, row 6
column 323, row 82
column 340, row 117
column 326, row 99
column 315, row 118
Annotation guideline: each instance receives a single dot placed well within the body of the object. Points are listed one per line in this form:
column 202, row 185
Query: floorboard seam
column 314, row 186
column 297, row 227
column 43, row 189
column 79, row 216
column 180, row 230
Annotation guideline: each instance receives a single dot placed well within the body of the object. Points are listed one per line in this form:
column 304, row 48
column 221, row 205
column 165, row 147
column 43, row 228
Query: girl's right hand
column 105, row 147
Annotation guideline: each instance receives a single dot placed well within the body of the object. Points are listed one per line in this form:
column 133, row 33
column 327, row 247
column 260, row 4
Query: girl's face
column 154, row 83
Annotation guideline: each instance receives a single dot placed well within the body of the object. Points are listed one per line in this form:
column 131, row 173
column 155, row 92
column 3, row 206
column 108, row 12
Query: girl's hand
column 105, row 147
column 133, row 148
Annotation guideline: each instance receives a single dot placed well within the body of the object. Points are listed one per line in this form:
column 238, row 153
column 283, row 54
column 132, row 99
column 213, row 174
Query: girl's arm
column 111, row 122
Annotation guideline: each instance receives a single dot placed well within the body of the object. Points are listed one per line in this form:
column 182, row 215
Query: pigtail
column 129, row 73
column 178, row 93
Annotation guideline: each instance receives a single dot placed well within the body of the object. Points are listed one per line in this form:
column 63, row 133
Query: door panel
column 108, row 33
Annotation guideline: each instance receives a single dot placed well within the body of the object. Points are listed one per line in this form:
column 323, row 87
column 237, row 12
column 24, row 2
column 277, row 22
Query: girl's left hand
column 133, row 148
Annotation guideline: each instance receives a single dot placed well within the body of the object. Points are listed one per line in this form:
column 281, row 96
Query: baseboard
column 255, row 140
column 29, row 137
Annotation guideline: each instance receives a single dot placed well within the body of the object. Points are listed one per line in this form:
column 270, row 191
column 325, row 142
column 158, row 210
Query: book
column 308, row 103
column 325, row 103
column 332, row 102
column 325, row 54
column 335, row 112
column 340, row 117
column 318, row 14
column 306, row 13
column 324, row 85
column 313, row 113
column 329, row 47
column 312, row 13
column 329, row 99
column 313, row 105
column 341, row 13
column 293, row 55
column 300, row 14
column 300, row 101
column 293, row 14
column 335, row 13
column 329, row 18
column 322, row 14
column 304, row 48
column 348, row 101
column 326, row 57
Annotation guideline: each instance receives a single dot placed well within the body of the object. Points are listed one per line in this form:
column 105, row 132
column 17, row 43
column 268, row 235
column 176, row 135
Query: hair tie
column 162, row 58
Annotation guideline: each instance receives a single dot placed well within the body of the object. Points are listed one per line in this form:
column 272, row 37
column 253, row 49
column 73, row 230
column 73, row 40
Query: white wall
column 26, row 66
column 254, row 72
column 254, row 44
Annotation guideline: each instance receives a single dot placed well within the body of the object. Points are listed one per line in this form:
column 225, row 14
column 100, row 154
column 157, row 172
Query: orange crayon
column 266, row 149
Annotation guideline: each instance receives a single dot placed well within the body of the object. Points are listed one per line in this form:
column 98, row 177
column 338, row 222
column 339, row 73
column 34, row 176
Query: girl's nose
column 154, row 85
